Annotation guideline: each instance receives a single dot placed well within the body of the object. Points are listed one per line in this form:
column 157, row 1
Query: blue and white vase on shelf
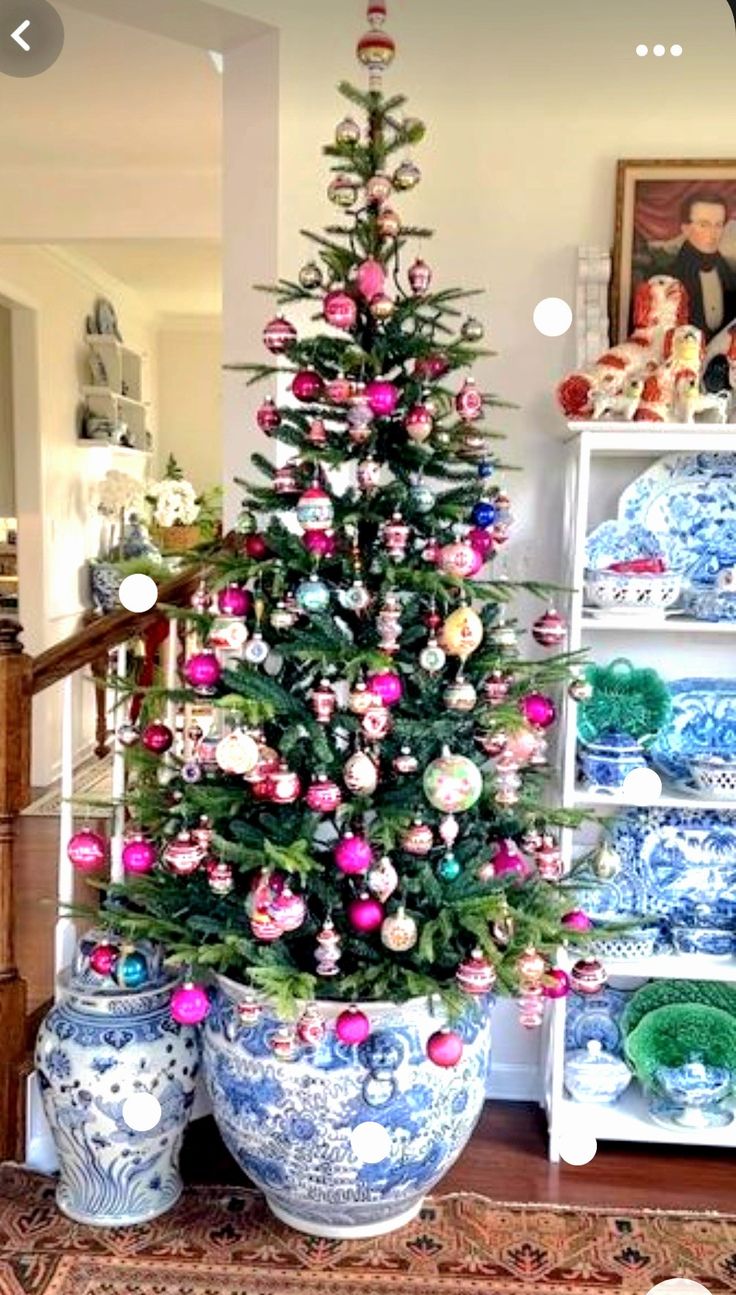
column 117, row 1077
column 345, row 1140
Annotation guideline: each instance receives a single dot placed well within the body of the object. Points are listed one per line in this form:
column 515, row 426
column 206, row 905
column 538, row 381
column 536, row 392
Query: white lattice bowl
column 618, row 590
column 715, row 775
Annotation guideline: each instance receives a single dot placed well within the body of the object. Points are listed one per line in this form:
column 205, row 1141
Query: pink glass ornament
column 418, row 839
column 370, row 277
column 321, row 544
column 548, row 858
column 388, row 223
column 419, row 423
column 189, row 1004
column 521, row 745
column 323, row 796
column 469, row 402
column 387, row 686
column 285, row 786
column 339, row 390
column 376, row 723
column 460, row 559
column 323, row 700
column 382, row 396
column 476, row 975
column 550, row 629
column 311, row 1027
column 577, row 920
column 307, row 385
column 317, row 434
column 587, row 976
column 183, row 855
column 340, row 310
column 430, row 368
column 365, row 914
column 157, row 737
column 379, row 187
column 268, row 417
column 203, row 671
column 255, row 547
column 278, row 335
column 264, row 925
column 289, row 910
column 285, row 482
column 538, row 709
column 87, row 850
column 103, row 959
column 445, row 1048
column 420, row 277
column 481, row 540
column 352, row 1026
column 508, row 860
column 557, row 983
column 353, row 854
column 234, row 600
column 220, row 877
column 139, row 855
column 530, row 965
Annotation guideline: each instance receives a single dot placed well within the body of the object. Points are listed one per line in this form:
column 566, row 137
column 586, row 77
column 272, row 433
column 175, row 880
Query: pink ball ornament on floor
column 353, row 855
column 352, row 1026
column 382, row 396
column 87, row 850
column 387, row 686
column 139, row 855
column 189, row 1004
column 445, row 1048
column 365, row 914
column 538, row 709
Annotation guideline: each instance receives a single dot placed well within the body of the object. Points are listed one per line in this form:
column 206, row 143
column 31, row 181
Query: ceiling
column 173, row 277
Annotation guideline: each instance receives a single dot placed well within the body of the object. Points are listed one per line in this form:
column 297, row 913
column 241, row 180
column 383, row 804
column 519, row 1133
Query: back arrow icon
column 17, row 35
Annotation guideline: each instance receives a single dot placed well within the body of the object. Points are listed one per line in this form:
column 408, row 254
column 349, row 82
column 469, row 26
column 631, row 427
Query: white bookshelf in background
column 120, row 396
column 603, row 458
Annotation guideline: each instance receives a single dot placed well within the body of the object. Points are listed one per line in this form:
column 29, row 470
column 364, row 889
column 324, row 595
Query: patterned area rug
column 223, row 1241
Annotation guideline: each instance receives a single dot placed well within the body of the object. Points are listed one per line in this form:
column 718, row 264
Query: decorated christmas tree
column 357, row 806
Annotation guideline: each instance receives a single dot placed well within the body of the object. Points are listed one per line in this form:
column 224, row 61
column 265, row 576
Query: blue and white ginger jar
column 117, row 1077
column 344, row 1140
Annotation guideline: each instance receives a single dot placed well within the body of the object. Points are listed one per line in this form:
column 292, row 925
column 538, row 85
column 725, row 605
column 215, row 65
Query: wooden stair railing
column 21, row 678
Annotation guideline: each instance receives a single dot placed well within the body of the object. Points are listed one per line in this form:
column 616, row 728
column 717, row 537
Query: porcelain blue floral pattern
column 596, row 1018
column 689, row 502
column 620, row 541
column 594, row 1075
column 702, row 722
column 291, row 1124
column 94, row 1052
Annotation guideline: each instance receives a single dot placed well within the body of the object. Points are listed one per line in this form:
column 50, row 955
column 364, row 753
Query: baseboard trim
column 510, row 1081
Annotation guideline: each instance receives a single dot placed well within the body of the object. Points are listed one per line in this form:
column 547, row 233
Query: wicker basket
column 176, row 539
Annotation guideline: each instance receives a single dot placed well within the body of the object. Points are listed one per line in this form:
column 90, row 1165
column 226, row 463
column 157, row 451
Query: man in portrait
column 709, row 278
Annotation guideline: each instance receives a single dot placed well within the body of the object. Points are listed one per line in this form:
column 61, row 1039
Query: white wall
column 189, row 362
column 7, row 455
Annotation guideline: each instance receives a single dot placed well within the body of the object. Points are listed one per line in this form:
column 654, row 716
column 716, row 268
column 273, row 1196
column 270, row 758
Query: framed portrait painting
column 677, row 218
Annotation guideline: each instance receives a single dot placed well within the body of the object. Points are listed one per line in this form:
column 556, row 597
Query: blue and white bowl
column 607, row 762
column 593, row 1075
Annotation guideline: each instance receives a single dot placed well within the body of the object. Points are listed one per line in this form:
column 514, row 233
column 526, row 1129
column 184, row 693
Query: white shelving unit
column 603, row 458
column 120, row 397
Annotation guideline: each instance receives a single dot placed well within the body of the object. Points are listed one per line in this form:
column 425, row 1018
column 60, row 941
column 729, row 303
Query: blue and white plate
column 621, row 541
column 677, row 864
column 597, row 1017
column 702, row 722
column 689, row 502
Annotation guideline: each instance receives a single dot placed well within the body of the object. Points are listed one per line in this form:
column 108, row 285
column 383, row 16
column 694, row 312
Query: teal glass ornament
column 421, row 498
column 449, row 868
column 313, row 595
column 132, row 971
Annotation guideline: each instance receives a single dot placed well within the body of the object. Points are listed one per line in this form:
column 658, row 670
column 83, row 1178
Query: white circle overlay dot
column 642, row 50
column 141, row 1112
column 658, row 50
column 578, row 1147
column 552, row 317
column 371, row 1143
column 675, row 50
column 642, row 786
column 678, row 1286
column 138, row 593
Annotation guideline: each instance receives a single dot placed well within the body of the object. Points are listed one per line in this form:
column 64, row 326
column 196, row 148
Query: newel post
column 15, row 765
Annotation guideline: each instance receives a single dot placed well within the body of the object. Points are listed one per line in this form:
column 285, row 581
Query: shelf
column 85, row 444
column 654, row 438
column 673, row 966
column 644, row 625
column 670, row 799
column 627, row 1120
column 108, row 392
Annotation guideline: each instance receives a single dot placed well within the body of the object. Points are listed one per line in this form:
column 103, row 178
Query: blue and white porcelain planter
column 107, row 1065
column 345, row 1141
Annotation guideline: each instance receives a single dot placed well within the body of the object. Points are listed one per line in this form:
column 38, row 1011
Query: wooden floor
column 505, row 1160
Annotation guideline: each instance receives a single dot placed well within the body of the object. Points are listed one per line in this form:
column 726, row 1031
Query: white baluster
column 66, row 933
column 118, row 774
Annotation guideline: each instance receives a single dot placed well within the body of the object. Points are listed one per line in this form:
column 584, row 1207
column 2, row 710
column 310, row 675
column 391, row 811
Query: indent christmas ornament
column 376, row 51
column 285, row 481
column 382, row 307
column 421, row 498
column 530, row 965
column 279, row 335
column 183, row 856
column 587, row 976
column 265, row 926
column 449, row 867
column 352, row 1026
column 360, row 774
column 103, row 958
column 387, row 685
column 131, row 969
column 368, row 474
column 312, row 595
column 378, row 189
column 356, row 598
column 128, row 735
column 432, row 658
column 405, row 762
column 340, row 309
column 406, row 176
column 460, row 559
column 395, row 535
column 289, row 909
column 476, row 975
column 353, row 854
column 323, row 795
column 538, row 709
column 189, row 1003
column 365, row 914
column 327, row 954
column 418, row 839
column 550, row 629
column 323, row 700
column 472, row 330
column 203, row 671
column 310, row 275
column 360, row 698
column 420, row 277
column 157, row 737
column 445, row 1048
column 317, row 434
column 256, row 649
column 311, row 1027
column 399, row 931
column 460, row 696
column 469, row 401
column 577, row 920
column 235, row 601
column 285, row 785
column 370, row 276
column 549, row 861
column 556, row 983
column 339, row 390
column 508, row 860
column 321, row 544
column 462, row 632
column 347, row 131
column 388, row 223
column 201, row 599
column 496, row 687
column 307, row 385
column 376, row 723
column 383, row 879
column 382, row 396
column 139, row 854
column 237, row 752
column 268, row 416
column 219, row 877
column 343, row 191
column 452, row 783
column 419, row 423
column 87, row 850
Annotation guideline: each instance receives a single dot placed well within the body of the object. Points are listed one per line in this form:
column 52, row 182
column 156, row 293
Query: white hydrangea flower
column 176, row 502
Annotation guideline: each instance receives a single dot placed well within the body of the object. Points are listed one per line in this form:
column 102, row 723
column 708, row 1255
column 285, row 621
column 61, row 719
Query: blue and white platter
column 702, row 722
column 689, row 502
column 621, row 541
column 597, row 1017
column 676, row 864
